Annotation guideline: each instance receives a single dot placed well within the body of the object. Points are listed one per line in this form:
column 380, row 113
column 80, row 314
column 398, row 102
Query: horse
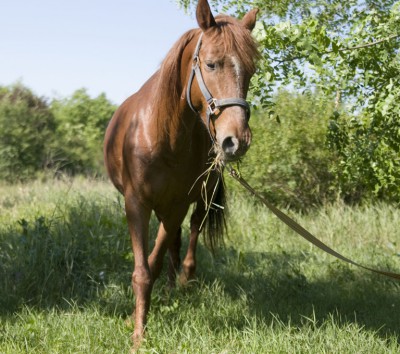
column 161, row 140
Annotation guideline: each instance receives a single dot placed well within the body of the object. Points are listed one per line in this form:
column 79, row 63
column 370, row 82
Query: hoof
column 185, row 280
column 137, row 339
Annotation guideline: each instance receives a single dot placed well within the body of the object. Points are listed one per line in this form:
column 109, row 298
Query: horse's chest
column 178, row 184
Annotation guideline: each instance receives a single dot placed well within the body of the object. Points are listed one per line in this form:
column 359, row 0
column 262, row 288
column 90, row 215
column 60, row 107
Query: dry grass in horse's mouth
column 215, row 165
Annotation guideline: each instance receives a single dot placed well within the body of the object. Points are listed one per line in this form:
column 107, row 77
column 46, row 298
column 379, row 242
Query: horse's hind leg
column 189, row 262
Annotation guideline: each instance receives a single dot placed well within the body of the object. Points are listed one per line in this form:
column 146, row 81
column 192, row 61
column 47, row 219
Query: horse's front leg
column 174, row 258
column 168, row 238
column 138, row 217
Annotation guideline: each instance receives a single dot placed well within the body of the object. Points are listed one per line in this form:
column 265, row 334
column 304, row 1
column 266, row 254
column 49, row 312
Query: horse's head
column 223, row 63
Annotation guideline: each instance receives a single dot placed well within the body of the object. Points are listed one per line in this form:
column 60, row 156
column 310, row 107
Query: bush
column 81, row 124
column 26, row 128
column 368, row 151
column 289, row 160
column 65, row 135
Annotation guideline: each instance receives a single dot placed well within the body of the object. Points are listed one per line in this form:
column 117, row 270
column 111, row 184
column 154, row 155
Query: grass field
column 66, row 263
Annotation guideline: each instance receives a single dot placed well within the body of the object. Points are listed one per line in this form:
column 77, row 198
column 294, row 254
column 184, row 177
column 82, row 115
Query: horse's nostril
column 230, row 145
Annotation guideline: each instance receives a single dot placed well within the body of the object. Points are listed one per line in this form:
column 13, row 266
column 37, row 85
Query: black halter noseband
column 214, row 106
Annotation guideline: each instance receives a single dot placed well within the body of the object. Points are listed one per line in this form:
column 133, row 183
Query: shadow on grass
column 80, row 256
column 276, row 286
column 85, row 257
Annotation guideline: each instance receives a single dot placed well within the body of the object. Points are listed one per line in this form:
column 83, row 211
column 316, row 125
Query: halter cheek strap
column 214, row 106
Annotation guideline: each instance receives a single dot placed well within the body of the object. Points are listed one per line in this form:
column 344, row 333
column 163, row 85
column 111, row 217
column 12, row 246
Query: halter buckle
column 196, row 61
column 213, row 108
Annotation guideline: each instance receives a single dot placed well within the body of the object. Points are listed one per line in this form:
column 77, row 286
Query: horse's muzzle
column 233, row 149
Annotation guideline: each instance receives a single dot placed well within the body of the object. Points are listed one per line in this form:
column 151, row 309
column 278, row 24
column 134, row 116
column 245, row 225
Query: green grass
column 66, row 263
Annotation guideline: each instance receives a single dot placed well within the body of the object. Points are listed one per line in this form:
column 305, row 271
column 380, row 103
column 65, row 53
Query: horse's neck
column 182, row 131
column 177, row 127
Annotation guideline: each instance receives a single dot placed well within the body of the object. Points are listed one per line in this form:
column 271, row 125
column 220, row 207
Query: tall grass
column 66, row 263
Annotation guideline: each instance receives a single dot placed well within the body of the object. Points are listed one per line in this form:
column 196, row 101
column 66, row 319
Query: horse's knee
column 141, row 279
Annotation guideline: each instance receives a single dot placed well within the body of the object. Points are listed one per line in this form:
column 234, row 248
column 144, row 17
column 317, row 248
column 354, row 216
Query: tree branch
column 393, row 36
column 361, row 46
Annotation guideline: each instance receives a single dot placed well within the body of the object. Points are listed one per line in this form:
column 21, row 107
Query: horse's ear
column 249, row 20
column 204, row 16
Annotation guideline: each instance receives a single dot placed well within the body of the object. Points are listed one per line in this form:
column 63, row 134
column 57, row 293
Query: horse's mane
column 228, row 33
column 169, row 88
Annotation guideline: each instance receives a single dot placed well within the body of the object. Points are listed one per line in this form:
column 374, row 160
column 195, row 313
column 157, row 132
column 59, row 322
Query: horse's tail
column 215, row 223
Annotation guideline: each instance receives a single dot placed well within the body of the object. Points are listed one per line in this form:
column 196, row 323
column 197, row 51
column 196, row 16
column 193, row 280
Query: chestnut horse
column 160, row 141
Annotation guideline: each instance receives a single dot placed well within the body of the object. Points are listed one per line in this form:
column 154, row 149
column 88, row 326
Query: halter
column 214, row 106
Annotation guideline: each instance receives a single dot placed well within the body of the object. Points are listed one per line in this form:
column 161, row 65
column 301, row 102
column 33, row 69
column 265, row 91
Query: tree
column 81, row 123
column 26, row 127
column 349, row 51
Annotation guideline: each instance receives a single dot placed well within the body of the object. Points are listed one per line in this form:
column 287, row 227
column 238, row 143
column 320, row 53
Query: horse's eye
column 210, row 65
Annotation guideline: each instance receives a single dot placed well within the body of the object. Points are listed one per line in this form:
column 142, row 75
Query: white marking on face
column 238, row 72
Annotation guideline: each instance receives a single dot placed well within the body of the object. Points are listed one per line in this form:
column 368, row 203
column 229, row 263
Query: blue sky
column 57, row 46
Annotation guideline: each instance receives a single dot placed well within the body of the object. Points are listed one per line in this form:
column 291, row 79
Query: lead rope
column 299, row 229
